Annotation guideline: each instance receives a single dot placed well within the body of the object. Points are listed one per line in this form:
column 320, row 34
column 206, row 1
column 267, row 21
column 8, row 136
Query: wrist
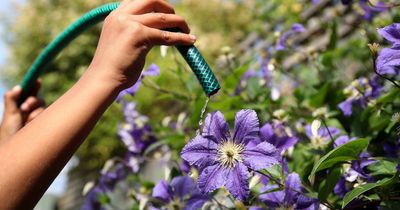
column 101, row 81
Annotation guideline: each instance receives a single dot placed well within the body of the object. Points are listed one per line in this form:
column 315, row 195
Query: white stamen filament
column 229, row 154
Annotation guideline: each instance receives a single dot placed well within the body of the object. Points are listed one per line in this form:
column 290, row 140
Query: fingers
column 36, row 89
column 146, row 6
column 30, row 104
column 11, row 98
column 160, row 37
column 162, row 21
column 34, row 114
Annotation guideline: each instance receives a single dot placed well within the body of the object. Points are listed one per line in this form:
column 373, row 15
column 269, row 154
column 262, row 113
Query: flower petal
column 238, row 184
column 256, row 208
column 152, row 70
column 340, row 188
column 131, row 91
column 277, row 135
column 292, row 188
column 286, row 143
column 296, row 28
column 261, row 156
column 388, row 61
column 246, row 126
column 306, row 203
column 391, row 33
column 216, row 128
column 196, row 202
column 200, row 151
column 346, row 107
column 273, row 199
column 162, row 191
column 211, row 178
column 128, row 140
column 267, row 132
column 182, row 186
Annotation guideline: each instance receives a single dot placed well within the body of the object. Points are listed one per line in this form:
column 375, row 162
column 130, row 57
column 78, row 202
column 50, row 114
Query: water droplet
column 203, row 110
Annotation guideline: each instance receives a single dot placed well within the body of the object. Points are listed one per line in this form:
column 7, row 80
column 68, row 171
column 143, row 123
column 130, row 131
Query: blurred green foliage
column 37, row 22
column 309, row 76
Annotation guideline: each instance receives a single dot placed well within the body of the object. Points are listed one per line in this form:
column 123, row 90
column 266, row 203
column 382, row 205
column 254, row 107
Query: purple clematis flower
column 133, row 161
column 321, row 137
column 341, row 188
column 360, row 165
column 107, row 181
column 370, row 11
column 153, row 70
column 360, row 92
column 181, row 194
column 264, row 74
column 342, row 140
column 289, row 198
column 357, row 166
column 391, row 33
column 388, row 61
column 278, row 135
column 91, row 201
column 354, row 172
column 296, row 28
column 135, row 132
column 315, row 1
column 224, row 160
column 256, row 208
column 185, row 167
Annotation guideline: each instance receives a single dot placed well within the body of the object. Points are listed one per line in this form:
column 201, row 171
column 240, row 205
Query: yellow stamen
column 229, row 154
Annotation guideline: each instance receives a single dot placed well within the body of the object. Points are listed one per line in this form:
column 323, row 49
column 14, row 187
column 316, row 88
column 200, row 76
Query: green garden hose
column 192, row 56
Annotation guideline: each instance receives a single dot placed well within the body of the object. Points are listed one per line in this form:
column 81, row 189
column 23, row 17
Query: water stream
column 203, row 110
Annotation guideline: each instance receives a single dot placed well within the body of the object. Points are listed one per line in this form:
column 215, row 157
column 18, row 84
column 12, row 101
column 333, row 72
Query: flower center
column 175, row 204
column 229, row 154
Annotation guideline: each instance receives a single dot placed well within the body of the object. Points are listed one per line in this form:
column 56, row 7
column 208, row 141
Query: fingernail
column 192, row 37
column 16, row 88
column 24, row 106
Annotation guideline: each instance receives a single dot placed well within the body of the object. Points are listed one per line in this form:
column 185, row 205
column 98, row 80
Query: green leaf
column 329, row 183
column 382, row 167
column 389, row 205
column 341, row 154
column 318, row 99
column 275, row 172
column 175, row 141
column 389, row 97
column 333, row 36
column 364, row 188
column 103, row 199
column 378, row 122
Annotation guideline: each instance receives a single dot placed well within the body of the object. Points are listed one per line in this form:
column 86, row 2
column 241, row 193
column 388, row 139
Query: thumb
column 11, row 98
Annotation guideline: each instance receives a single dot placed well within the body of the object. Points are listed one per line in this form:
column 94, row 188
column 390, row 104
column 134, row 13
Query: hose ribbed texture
column 191, row 54
column 200, row 68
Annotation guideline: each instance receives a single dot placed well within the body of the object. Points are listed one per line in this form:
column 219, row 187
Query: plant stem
column 374, row 57
column 152, row 85
column 326, row 126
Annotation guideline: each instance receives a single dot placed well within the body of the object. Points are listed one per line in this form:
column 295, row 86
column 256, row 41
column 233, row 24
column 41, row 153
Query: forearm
column 31, row 160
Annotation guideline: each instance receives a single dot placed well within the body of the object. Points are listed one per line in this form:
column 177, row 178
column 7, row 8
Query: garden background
column 291, row 61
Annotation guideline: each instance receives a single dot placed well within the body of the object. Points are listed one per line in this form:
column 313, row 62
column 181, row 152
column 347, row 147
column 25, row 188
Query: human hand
column 14, row 117
column 129, row 32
